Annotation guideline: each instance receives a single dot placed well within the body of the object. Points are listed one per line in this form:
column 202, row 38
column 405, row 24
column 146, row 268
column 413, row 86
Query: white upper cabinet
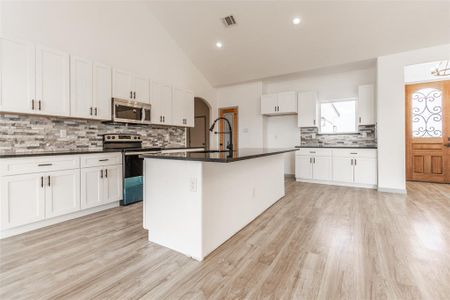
column 269, row 104
column 81, row 87
column 183, row 108
column 307, row 109
column 90, row 89
column 52, row 81
column 102, row 91
column 366, row 105
column 122, row 84
column 141, row 89
column 161, row 101
column 278, row 104
column 129, row 86
column 17, row 76
column 287, row 103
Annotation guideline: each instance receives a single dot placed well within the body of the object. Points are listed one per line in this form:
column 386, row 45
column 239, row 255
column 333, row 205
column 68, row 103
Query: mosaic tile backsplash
column 22, row 133
column 366, row 136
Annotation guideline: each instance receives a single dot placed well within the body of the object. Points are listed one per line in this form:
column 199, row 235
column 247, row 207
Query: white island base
column 193, row 206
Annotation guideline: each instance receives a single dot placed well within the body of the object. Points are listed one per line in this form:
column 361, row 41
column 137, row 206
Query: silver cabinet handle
column 48, row 180
column 106, row 173
column 131, row 94
column 32, row 104
column 42, row 181
column 101, row 173
column 360, row 120
column 90, row 111
column 353, row 152
column 355, row 161
column 95, row 111
column 44, row 165
column 40, row 105
column 105, row 159
column 134, row 95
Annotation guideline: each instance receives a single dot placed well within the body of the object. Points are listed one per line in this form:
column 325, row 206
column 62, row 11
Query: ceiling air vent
column 229, row 21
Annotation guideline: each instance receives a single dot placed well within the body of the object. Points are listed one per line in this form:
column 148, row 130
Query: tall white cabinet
column 34, row 79
column 90, row 91
column 366, row 105
column 307, row 109
column 183, row 107
column 161, row 101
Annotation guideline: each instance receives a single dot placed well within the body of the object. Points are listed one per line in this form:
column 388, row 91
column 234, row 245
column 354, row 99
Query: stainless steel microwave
column 128, row 111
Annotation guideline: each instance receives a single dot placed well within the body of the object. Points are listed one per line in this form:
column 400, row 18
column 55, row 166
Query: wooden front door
column 428, row 131
column 230, row 113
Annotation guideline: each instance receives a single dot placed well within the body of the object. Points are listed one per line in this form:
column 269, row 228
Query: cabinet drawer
column 101, row 159
column 25, row 165
column 368, row 153
column 314, row 152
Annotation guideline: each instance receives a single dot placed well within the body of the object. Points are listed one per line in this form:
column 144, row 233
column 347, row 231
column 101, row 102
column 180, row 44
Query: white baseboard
column 357, row 185
column 389, row 190
column 40, row 224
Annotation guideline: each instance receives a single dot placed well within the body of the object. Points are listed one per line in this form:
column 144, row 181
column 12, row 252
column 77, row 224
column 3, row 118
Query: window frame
column 356, row 131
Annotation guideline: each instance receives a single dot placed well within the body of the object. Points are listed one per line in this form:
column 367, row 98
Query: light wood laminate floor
column 318, row 242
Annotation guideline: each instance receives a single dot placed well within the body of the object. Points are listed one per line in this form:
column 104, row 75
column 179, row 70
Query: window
column 427, row 113
column 338, row 116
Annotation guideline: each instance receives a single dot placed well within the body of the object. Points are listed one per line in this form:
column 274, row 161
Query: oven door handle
column 141, row 152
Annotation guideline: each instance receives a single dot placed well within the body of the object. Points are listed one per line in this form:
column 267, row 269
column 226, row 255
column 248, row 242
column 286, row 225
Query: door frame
column 235, row 111
column 409, row 155
column 206, row 146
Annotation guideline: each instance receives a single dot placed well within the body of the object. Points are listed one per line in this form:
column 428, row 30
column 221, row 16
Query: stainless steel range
column 131, row 147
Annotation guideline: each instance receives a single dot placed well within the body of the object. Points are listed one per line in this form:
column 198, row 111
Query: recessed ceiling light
column 219, row 44
column 296, row 21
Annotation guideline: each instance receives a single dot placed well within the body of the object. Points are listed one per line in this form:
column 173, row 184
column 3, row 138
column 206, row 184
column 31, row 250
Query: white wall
column 391, row 113
column 247, row 97
column 122, row 34
column 422, row 72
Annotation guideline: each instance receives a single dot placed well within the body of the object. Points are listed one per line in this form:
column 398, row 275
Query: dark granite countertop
column 338, row 146
column 220, row 157
column 13, row 154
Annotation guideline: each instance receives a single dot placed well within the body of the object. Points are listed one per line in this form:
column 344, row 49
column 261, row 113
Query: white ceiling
column 265, row 43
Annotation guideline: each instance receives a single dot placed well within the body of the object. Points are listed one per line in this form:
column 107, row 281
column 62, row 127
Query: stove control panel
column 122, row 138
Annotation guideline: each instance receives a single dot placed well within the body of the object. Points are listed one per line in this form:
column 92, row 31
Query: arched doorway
column 198, row 136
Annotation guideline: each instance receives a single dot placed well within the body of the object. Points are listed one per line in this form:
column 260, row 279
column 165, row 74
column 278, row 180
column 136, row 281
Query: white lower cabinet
column 311, row 167
column 100, row 185
column 34, row 191
column 365, row 170
column 62, row 192
column 22, row 200
column 343, row 169
column 353, row 167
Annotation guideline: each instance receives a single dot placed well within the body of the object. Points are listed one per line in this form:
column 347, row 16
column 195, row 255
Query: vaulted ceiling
column 265, row 43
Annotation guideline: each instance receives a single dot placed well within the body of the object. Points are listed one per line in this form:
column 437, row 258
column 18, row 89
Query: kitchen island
column 195, row 201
